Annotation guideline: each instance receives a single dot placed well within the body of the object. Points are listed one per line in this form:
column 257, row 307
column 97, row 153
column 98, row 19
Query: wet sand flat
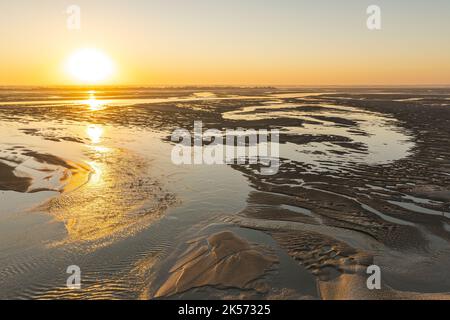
column 364, row 179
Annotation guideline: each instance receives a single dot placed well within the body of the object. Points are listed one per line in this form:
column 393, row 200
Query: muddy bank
column 24, row 170
column 221, row 260
column 397, row 212
column 9, row 181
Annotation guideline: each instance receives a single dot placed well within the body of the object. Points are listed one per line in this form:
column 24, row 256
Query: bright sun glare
column 90, row 66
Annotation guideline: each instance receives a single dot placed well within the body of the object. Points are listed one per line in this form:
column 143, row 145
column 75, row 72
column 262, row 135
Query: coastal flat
column 364, row 179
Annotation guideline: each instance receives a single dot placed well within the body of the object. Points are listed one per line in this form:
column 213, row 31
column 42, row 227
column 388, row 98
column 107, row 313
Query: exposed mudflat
column 364, row 179
column 220, row 260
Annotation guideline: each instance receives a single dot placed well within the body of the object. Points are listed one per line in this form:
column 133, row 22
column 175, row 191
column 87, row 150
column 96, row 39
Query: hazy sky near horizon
column 226, row 42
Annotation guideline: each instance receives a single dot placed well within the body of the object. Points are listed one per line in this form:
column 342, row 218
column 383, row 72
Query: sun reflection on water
column 93, row 103
column 95, row 177
column 95, row 133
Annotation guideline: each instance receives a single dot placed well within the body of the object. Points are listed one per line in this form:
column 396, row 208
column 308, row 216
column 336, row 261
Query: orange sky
column 199, row 42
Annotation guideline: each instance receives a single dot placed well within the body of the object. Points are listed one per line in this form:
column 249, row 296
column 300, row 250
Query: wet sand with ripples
column 86, row 179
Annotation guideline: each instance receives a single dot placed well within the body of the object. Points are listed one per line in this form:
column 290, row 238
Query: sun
column 90, row 66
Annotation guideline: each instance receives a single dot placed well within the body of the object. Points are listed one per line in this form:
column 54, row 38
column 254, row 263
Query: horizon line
column 225, row 85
